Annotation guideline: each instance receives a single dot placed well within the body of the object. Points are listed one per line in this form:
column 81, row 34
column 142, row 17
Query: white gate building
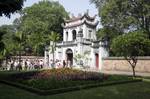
column 80, row 47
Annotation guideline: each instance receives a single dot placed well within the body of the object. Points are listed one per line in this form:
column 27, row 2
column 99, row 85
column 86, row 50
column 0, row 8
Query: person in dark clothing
column 64, row 64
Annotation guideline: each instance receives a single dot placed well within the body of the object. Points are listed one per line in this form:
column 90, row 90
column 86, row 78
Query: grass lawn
column 139, row 90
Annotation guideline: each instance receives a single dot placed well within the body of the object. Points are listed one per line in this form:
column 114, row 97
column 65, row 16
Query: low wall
column 121, row 65
column 30, row 57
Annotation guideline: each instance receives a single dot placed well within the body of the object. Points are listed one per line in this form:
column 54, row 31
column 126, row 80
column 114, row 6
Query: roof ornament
column 87, row 11
column 79, row 15
column 72, row 15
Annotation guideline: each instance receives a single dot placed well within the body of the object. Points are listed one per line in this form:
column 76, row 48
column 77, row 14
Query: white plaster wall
column 64, row 34
column 93, row 58
column 86, row 32
column 102, row 54
column 87, row 48
column 80, row 49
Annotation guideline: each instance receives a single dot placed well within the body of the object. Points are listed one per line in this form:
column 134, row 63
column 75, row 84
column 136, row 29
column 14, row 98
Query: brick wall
column 120, row 64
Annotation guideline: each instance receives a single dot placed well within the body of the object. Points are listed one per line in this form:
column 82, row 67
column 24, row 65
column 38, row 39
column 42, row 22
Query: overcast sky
column 72, row 6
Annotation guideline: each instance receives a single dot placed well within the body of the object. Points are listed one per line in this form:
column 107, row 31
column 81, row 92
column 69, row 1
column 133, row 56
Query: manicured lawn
column 140, row 90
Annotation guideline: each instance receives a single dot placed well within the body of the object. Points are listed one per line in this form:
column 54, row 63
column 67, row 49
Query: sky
column 73, row 6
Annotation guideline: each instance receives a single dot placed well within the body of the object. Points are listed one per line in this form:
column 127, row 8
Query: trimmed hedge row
column 63, row 90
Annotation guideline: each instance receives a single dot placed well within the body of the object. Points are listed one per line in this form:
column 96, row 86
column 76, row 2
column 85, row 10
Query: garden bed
column 60, row 80
column 55, row 78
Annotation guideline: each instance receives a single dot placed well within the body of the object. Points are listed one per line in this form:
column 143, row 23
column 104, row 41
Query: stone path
column 126, row 73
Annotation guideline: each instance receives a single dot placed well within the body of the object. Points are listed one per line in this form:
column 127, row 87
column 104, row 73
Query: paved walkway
column 126, row 73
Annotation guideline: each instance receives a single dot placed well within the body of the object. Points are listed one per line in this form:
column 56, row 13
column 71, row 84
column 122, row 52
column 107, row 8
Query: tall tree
column 8, row 42
column 12, row 39
column 99, row 3
column 41, row 19
column 53, row 37
column 2, row 46
column 131, row 46
column 19, row 40
column 5, row 30
column 125, row 15
column 108, row 34
column 10, row 6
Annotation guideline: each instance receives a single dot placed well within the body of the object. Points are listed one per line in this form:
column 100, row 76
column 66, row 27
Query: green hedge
column 62, row 90
column 53, row 79
column 60, row 80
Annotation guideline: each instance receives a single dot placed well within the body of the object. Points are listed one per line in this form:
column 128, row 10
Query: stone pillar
column 64, row 35
column 80, row 41
column 103, row 52
column 93, row 63
column 45, row 59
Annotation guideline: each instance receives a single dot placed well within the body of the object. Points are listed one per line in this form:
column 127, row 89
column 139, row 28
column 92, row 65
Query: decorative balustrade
column 66, row 43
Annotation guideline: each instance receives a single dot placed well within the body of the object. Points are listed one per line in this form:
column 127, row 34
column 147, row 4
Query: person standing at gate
column 64, row 64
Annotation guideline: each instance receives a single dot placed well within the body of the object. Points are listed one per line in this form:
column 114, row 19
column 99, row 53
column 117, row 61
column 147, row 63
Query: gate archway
column 97, row 60
column 69, row 56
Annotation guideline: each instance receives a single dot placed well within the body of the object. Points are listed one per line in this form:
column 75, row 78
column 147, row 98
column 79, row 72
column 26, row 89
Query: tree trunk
column 19, row 61
column 53, row 57
column 133, row 69
column 132, row 61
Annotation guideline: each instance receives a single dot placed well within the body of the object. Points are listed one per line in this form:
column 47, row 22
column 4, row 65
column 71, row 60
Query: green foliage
column 82, row 59
column 5, row 31
column 1, row 44
column 131, row 44
column 46, row 16
column 8, row 7
column 13, row 41
column 125, row 15
column 99, row 3
column 54, row 78
column 39, row 20
column 140, row 90
column 53, row 38
column 108, row 34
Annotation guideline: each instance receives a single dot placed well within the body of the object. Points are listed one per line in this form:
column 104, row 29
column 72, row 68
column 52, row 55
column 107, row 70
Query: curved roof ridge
column 81, row 17
column 83, row 22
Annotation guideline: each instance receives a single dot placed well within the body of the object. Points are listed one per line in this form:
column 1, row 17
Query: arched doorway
column 66, row 36
column 69, row 56
column 97, row 60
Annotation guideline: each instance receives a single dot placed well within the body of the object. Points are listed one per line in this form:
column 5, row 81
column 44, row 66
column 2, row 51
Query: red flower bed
column 56, row 78
column 67, row 74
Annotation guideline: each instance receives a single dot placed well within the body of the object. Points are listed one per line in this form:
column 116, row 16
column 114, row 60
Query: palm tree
column 53, row 37
column 19, row 39
column 2, row 46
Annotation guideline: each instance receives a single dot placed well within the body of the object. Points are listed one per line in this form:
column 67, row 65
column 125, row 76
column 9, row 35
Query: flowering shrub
column 67, row 74
column 60, row 78
column 56, row 78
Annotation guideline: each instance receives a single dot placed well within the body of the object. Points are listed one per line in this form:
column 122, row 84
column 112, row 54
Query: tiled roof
column 81, row 17
column 81, row 23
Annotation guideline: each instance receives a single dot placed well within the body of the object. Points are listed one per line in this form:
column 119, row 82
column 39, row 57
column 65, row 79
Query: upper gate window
column 74, row 33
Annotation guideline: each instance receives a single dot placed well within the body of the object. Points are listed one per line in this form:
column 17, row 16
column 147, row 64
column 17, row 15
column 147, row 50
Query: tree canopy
column 31, row 32
column 8, row 40
column 39, row 20
column 125, row 15
column 10, row 6
column 122, row 16
column 131, row 45
column 43, row 17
